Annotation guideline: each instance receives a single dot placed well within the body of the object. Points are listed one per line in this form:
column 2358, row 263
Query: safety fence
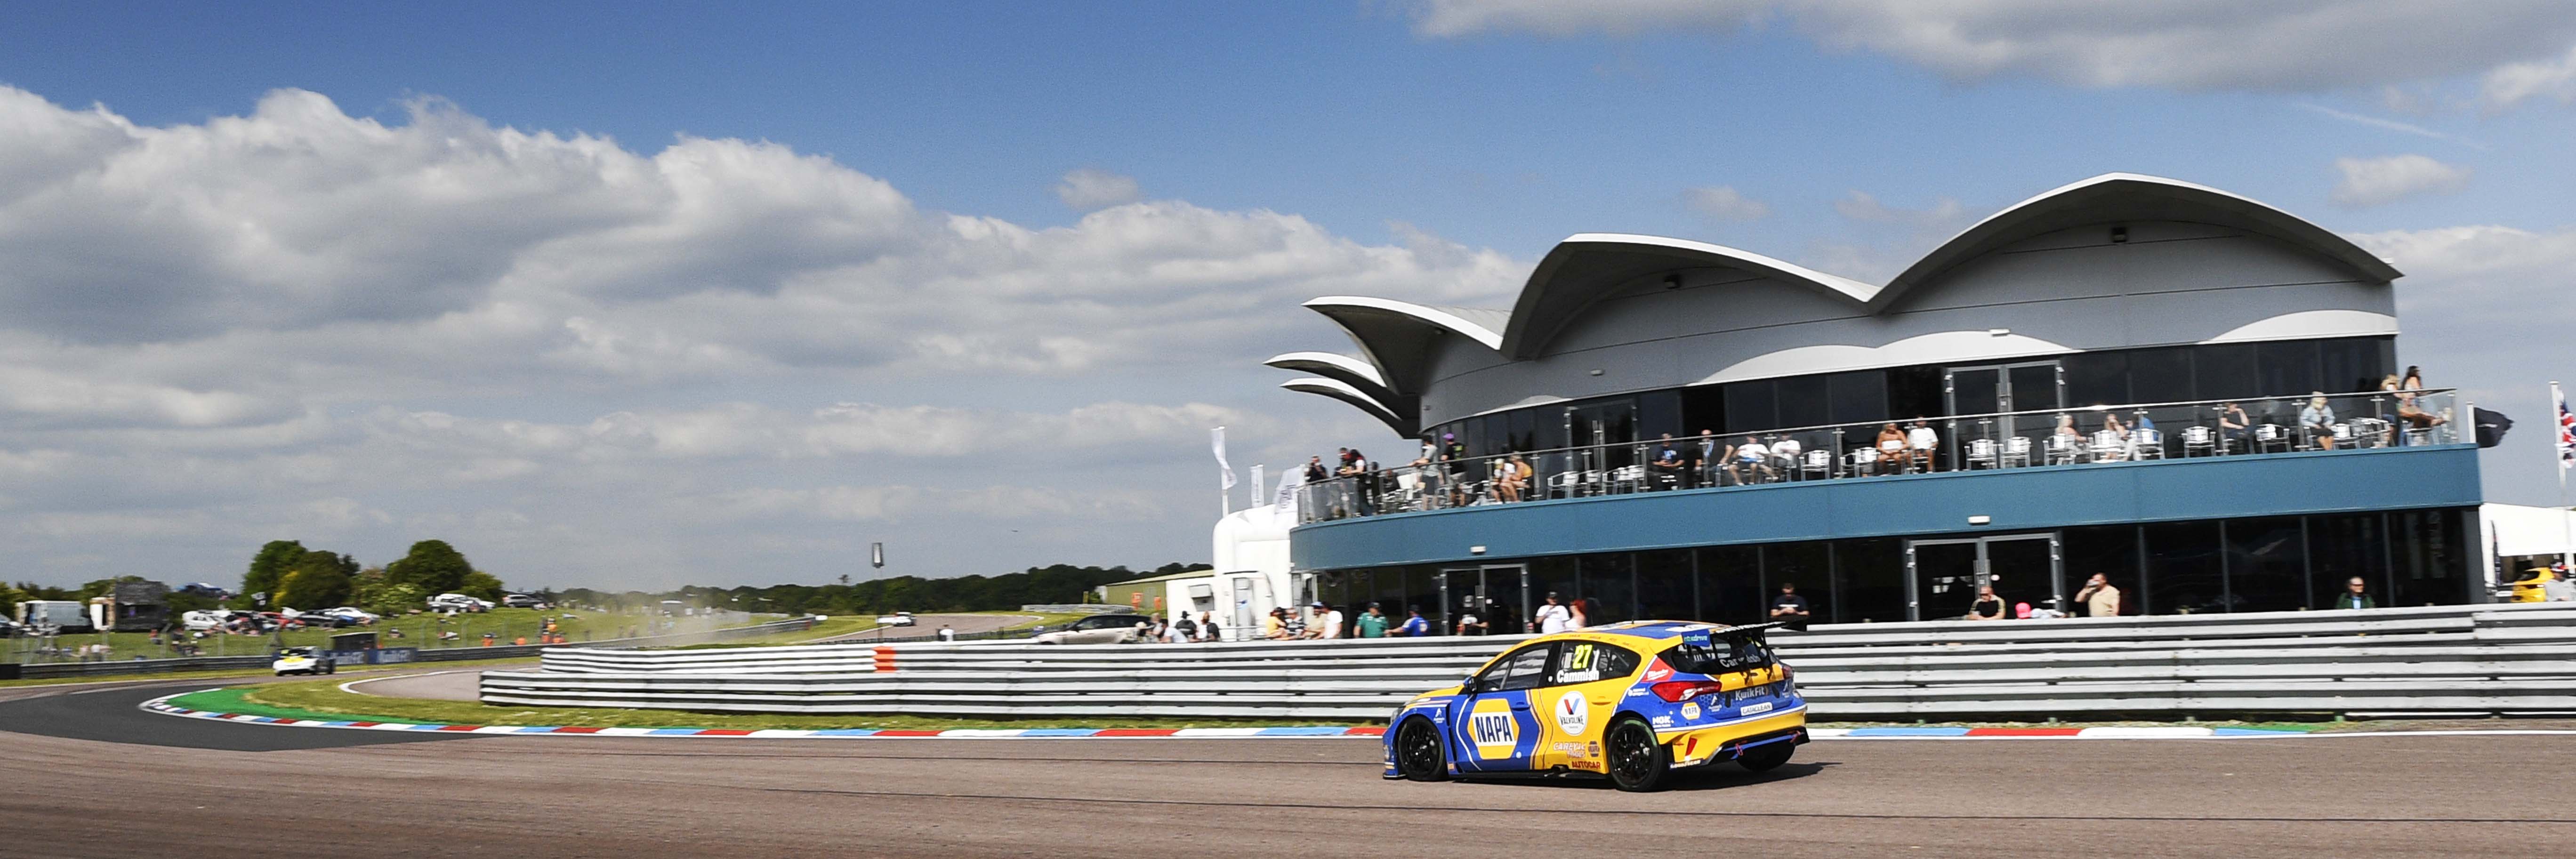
column 2420, row 661
column 445, row 654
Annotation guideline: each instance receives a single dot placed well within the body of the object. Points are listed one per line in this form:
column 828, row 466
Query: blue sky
column 394, row 312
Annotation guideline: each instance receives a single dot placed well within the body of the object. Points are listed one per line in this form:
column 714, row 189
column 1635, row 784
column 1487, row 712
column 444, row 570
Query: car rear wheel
column 1419, row 754
column 1637, row 761
column 1768, row 756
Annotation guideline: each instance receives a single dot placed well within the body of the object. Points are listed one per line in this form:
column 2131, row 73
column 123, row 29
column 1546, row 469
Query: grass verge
column 185, row 676
column 324, row 700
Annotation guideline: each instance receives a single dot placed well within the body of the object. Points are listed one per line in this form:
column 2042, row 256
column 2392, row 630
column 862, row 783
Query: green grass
column 841, row 625
column 507, row 625
column 324, row 700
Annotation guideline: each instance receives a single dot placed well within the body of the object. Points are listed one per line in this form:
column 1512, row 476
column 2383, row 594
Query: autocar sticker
column 1492, row 729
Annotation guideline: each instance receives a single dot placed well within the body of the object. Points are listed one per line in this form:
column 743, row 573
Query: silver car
column 1099, row 629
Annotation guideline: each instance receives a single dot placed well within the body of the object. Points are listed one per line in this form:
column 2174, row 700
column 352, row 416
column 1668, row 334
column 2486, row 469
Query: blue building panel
column 2020, row 499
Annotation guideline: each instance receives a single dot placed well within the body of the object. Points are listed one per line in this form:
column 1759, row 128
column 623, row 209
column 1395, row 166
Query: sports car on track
column 1631, row 701
column 302, row 660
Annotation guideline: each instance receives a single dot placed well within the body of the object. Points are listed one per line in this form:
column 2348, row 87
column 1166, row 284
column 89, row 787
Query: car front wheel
column 1637, row 761
column 1419, row 754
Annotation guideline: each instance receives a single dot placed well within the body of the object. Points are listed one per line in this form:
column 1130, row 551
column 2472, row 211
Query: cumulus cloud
column 1089, row 188
column 2373, row 181
column 2187, row 44
column 2515, row 83
column 555, row 349
column 1724, row 203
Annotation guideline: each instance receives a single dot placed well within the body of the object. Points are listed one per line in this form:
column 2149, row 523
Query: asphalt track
column 91, row 776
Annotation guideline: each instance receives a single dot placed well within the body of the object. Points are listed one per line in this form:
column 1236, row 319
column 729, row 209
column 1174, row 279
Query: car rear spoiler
column 1750, row 631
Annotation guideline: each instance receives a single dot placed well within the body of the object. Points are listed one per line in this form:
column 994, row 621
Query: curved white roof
column 1358, row 374
column 1581, row 270
column 1338, row 390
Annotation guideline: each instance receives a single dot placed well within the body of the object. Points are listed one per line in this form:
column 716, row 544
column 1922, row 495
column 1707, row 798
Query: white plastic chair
column 2064, row 450
column 2266, row 436
column 2147, row 443
column 1819, row 464
column 2016, row 452
column 2108, row 446
column 1864, row 461
column 2199, row 441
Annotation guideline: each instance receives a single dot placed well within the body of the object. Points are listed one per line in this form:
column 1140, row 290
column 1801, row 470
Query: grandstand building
column 2119, row 377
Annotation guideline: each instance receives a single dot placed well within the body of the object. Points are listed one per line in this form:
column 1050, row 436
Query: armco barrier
column 2446, row 659
column 441, row 654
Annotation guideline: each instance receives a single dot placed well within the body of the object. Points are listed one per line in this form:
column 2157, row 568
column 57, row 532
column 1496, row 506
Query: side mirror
column 1467, row 686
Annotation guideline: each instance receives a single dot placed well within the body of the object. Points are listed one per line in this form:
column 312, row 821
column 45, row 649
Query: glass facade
column 2280, row 369
column 2273, row 563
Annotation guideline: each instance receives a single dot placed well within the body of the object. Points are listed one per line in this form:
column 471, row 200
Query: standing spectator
column 1578, row 615
column 1990, row 607
column 1331, row 620
column 2098, row 597
column 1471, row 623
column 1372, row 624
column 1712, row 456
column 1552, row 617
column 1453, row 467
column 1208, row 630
column 1789, row 607
column 1414, row 626
column 947, row 633
column 1315, row 472
column 2353, row 596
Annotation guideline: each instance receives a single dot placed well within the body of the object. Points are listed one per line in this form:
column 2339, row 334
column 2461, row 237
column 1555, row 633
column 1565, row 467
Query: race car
column 1633, row 702
column 302, row 660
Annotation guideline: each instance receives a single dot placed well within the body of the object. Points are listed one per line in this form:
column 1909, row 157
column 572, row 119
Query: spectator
column 1274, row 626
column 2316, row 420
column 1453, row 465
column 1578, row 615
column 1553, row 616
column 1184, row 630
column 1470, row 623
column 1891, row 446
column 1753, row 458
column 1296, row 621
column 1315, row 472
column 1372, row 624
column 1694, row 463
column 2407, row 409
column 2112, row 444
column 1414, row 626
column 1667, row 465
column 2099, row 598
column 1922, row 440
column 1516, row 478
column 2354, row 596
column 1208, row 630
column 1784, row 453
column 2235, row 428
column 947, row 633
column 1790, row 608
column 1990, row 607
column 1327, row 622
column 1712, row 456
column 1156, row 630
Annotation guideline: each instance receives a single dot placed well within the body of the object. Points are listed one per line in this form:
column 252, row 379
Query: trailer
column 62, row 615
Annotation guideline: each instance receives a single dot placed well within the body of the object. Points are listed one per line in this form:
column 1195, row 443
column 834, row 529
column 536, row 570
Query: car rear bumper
column 1727, row 742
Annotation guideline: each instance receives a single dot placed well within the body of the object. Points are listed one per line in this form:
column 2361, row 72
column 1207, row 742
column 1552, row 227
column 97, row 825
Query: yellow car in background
column 1632, row 702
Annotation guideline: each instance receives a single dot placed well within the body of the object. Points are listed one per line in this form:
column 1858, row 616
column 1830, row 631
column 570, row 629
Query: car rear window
column 1724, row 655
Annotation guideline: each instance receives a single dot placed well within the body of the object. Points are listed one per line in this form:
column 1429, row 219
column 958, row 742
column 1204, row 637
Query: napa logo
column 1493, row 730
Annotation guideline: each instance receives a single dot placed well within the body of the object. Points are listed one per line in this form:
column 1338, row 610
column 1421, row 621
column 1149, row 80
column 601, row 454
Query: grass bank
column 185, row 676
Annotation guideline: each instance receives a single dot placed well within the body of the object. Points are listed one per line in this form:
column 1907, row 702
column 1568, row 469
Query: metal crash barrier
column 2435, row 660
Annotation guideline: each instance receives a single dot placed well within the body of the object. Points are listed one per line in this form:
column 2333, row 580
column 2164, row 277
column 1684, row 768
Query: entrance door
column 1995, row 388
column 1942, row 576
column 1494, row 594
column 1604, row 434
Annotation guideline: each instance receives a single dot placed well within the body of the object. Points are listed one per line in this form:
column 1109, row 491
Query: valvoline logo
column 1658, row 671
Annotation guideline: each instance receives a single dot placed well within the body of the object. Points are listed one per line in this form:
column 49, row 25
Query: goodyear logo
column 1491, row 727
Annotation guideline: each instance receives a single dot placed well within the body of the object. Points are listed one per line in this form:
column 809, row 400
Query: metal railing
column 2428, row 660
column 2001, row 440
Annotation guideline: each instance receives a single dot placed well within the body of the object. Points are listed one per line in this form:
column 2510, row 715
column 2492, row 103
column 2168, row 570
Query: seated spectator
column 1922, row 440
column 1784, row 453
column 1274, row 626
column 1987, row 606
column 2111, row 444
column 1666, row 465
column 2235, row 428
column 1891, row 445
column 2408, row 410
column 2316, row 421
column 1753, row 460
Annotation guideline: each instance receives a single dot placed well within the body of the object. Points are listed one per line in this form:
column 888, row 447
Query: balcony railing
column 2004, row 440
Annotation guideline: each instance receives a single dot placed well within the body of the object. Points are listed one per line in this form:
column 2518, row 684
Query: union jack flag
column 2566, row 432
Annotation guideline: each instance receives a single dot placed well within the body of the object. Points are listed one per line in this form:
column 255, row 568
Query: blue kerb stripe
column 422, row 727
column 533, row 729
column 337, row 724
column 846, row 732
column 1302, row 732
column 2253, row 732
column 674, row 732
column 1908, row 732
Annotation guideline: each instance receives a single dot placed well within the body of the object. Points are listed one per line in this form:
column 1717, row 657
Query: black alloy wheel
column 1637, row 762
column 1768, row 756
column 1419, row 754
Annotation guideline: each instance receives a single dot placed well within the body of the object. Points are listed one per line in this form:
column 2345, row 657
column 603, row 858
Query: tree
column 268, row 568
column 309, row 587
column 431, row 565
column 480, row 585
column 378, row 593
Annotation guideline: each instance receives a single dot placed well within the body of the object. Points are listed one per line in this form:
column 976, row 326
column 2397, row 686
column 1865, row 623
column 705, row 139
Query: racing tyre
column 1419, row 754
column 1637, row 762
column 1767, row 757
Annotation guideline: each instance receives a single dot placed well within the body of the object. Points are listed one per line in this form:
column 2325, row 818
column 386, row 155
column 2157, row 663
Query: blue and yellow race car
column 1631, row 701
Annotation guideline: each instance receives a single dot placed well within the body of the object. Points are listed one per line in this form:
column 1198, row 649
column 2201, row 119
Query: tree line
column 1059, row 583
column 284, row 573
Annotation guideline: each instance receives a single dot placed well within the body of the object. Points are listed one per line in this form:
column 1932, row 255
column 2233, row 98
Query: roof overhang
column 1403, row 425
column 1397, row 337
column 2116, row 197
column 1586, row 267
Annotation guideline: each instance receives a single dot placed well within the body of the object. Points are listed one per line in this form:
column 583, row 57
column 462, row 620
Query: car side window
column 1587, row 661
column 1526, row 668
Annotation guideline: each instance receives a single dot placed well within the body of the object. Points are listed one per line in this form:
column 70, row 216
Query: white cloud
column 1088, row 188
column 2373, row 181
column 2514, row 83
column 1943, row 214
column 2186, row 44
column 1724, row 203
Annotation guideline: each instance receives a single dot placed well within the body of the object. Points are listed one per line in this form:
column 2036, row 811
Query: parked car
column 354, row 614
column 1098, row 629
column 901, row 618
column 9, row 628
column 302, row 660
column 458, row 602
column 213, row 619
column 521, row 601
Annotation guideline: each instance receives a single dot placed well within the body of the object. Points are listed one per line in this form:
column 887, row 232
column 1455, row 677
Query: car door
column 1498, row 731
column 1582, row 693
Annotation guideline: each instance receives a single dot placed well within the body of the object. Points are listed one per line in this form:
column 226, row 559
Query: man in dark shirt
column 1790, row 608
column 1668, row 465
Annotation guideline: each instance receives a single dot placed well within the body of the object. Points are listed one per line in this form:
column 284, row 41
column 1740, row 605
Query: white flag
column 1217, row 437
column 2566, row 432
column 1286, row 498
column 1256, row 484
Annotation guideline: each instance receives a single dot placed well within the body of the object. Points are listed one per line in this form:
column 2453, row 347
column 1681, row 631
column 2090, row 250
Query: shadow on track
column 1717, row 777
column 113, row 715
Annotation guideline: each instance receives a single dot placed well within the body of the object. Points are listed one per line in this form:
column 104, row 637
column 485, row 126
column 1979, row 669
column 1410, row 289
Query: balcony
column 2053, row 439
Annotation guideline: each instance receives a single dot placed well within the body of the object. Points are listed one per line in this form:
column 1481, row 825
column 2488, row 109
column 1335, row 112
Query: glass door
column 2018, row 387
column 1942, row 576
column 1495, row 595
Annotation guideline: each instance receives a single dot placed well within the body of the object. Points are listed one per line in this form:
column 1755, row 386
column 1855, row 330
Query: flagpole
column 2566, row 531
